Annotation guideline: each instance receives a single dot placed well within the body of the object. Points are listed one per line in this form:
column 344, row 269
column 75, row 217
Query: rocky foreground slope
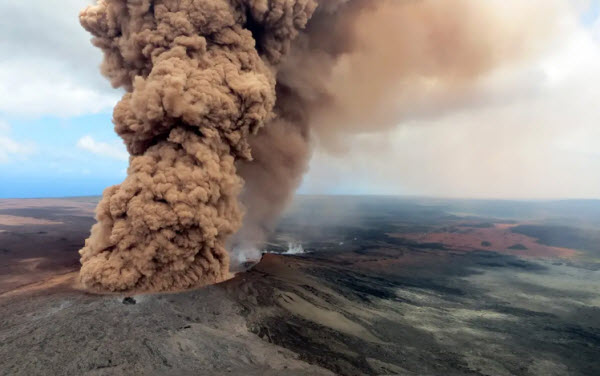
column 363, row 299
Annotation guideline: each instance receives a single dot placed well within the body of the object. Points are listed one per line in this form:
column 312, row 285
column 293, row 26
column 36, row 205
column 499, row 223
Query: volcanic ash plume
column 365, row 66
column 196, row 90
column 204, row 76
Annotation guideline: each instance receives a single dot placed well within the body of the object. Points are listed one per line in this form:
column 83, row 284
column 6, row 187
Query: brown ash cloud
column 226, row 99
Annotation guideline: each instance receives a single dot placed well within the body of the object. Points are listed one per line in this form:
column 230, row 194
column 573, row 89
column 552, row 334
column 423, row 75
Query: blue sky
column 590, row 13
column 57, row 139
column 56, row 161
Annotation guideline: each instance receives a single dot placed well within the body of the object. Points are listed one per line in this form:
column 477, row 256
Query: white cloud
column 48, row 93
column 596, row 29
column 10, row 148
column 4, row 127
column 113, row 150
column 47, row 63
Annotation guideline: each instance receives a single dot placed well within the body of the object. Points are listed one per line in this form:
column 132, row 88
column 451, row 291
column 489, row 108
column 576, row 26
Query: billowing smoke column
column 364, row 66
column 196, row 90
column 224, row 99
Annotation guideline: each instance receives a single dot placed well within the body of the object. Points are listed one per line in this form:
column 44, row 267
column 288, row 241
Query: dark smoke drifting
column 225, row 98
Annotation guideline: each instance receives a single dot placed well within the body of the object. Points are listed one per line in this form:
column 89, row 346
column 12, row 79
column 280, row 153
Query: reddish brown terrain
column 498, row 237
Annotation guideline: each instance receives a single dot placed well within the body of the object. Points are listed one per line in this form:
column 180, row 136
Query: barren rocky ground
column 363, row 299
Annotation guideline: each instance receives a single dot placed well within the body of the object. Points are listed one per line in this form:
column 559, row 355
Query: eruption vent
column 202, row 77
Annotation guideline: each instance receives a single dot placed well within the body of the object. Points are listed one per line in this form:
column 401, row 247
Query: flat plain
column 385, row 285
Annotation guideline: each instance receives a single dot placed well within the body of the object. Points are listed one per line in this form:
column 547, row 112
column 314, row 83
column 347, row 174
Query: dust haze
column 227, row 99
